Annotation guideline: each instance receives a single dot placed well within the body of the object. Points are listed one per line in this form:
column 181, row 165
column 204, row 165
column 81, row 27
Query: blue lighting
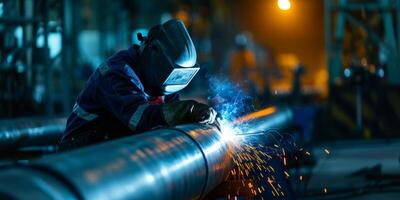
column 143, row 31
column 229, row 99
column 1, row 9
column 347, row 72
column 54, row 43
column 381, row 73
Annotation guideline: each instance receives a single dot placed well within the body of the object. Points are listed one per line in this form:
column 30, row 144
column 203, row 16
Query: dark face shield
column 168, row 60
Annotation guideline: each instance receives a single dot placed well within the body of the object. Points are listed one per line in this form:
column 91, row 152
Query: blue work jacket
column 113, row 101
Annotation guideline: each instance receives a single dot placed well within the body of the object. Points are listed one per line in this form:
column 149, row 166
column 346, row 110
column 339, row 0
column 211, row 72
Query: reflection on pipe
column 262, row 113
column 30, row 132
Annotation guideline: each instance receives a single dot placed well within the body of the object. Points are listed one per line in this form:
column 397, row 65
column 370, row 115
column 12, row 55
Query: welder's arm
column 123, row 99
column 189, row 111
column 172, row 98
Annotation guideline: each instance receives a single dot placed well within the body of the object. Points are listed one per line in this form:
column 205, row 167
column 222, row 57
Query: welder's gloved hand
column 189, row 111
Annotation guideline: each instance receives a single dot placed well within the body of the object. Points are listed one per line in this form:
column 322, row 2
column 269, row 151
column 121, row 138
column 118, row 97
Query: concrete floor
column 358, row 167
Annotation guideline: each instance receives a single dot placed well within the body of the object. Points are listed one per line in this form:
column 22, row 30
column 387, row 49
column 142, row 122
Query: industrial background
column 327, row 85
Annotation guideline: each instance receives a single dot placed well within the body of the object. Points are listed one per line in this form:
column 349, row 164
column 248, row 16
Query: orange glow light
column 255, row 115
column 284, row 4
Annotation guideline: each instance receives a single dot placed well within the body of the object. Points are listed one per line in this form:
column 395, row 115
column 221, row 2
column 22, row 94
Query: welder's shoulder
column 121, row 58
column 111, row 68
column 117, row 77
column 118, row 65
column 117, row 71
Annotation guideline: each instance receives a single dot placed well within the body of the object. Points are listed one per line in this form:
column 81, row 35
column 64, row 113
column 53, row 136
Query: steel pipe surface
column 30, row 132
column 185, row 162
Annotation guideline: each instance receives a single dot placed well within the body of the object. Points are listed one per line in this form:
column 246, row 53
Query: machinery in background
column 35, row 57
column 361, row 107
column 366, row 31
column 362, row 41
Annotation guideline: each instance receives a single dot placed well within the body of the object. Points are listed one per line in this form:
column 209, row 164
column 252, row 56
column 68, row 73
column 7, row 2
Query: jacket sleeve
column 120, row 95
column 172, row 98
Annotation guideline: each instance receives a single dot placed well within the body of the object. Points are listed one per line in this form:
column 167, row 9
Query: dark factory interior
column 200, row 99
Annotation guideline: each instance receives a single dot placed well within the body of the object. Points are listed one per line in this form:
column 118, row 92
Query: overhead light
column 284, row 4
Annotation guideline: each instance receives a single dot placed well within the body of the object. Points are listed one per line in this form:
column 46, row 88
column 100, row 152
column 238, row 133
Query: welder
column 134, row 90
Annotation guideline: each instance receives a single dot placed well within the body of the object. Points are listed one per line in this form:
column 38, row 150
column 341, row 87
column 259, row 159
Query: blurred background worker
column 245, row 69
column 135, row 90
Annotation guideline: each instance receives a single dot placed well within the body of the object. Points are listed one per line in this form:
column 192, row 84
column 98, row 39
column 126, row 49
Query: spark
column 325, row 190
column 284, row 156
column 149, row 178
column 287, row 174
column 271, row 168
column 327, row 151
column 250, row 158
column 271, row 183
column 228, row 131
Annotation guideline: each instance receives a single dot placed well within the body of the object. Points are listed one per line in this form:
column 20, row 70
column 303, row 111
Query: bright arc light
column 284, row 4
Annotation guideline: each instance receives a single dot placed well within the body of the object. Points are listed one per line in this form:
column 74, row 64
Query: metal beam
column 389, row 9
column 68, row 52
column 328, row 37
column 49, row 104
column 335, row 72
column 363, row 7
column 393, row 69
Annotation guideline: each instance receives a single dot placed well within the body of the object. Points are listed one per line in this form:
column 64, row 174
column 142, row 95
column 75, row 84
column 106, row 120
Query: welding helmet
column 167, row 61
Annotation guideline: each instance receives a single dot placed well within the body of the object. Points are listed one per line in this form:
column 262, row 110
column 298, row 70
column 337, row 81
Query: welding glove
column 188, row 111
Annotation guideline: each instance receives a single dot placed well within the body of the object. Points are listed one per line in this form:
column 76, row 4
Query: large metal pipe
column 30, row 132
column 185, row 162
